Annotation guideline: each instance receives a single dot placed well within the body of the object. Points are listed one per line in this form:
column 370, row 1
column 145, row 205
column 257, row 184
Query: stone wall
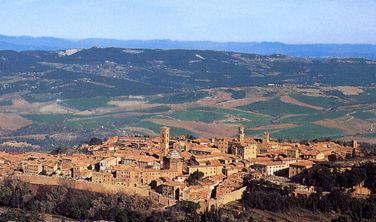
column 229, row 197
column 82, row 185
column 165, row 201
column 95, row 187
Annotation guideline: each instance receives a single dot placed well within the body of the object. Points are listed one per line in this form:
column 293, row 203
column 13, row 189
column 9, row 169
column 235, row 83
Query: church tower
column 164, row 141
column 355, row 143
column 265, row 138
column 241, row 134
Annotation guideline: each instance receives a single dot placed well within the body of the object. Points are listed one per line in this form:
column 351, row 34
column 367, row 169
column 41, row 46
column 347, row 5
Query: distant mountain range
column 77, row 73
column 24, row 43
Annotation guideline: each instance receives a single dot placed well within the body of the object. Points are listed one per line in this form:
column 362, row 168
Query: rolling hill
column 23, row 43
column 63, row 97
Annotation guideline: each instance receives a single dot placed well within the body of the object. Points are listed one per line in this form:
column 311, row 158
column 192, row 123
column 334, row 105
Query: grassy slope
column 87, row 103
column 196, row 115
column 326, row 102
column 174, row 131
column 308, row 131
column 276, row 107
column 48, row 118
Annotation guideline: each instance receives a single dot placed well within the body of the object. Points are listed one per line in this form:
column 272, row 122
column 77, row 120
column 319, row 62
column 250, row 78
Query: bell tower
column 164, row 141
column 265, row 138
column 241, row 134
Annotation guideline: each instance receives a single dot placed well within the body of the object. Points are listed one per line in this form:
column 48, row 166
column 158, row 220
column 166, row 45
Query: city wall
column 229, row 197
column 82, row 185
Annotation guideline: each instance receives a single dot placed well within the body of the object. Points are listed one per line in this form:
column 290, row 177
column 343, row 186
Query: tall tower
column 355, row 143
column 241, row 134
column 165, row 141
column 265, row 138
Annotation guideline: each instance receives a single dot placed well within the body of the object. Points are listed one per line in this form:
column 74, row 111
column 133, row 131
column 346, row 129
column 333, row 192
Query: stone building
column 173, row 161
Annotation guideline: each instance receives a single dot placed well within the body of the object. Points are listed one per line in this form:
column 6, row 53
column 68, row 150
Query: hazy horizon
column 290, row 21
column 177, row 40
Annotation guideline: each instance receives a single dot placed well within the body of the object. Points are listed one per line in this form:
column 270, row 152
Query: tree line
column 328, row 176
column 265, row 195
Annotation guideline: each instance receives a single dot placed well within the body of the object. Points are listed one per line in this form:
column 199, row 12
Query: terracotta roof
column 303, row 163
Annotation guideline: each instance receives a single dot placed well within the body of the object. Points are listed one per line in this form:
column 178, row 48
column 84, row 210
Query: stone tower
column 265, row 138
column 241, row 134
column 355, row 143
column 165, row 141
column 173, row 161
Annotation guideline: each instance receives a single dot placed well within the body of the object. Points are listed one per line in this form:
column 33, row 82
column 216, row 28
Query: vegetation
column 26, row 202
column 98, row 122
column 95, row 141
column 86, row 74
column 304, row 118
column 326, row 102
column 364, row 115
column 195, row 177
column 268, row 196
column 88, row 80
column 276, row 107
column 174, row 131
column 308, row 131
column 328, row 177
column 237, row 94
column 87, row 103
column 76, row 204
column 48, row 118
column 6, row 102
column 195, row 115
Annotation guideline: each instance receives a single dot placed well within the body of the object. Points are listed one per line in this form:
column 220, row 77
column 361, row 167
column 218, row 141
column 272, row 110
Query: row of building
column 164, row 164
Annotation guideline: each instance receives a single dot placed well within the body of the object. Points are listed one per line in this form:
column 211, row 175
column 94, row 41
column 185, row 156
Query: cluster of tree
column 369, row 148
column 327, row 177
column 76, row 204
column 12, row 214
column 195, row 177
column 26, row 202
column 190, row 137
column 267, row 196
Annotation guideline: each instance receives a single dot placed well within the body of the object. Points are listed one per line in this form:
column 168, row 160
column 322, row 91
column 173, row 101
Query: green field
column 87, row 103
column 174, row 131
column 6, row 102
column 308, row 131
column 237, row 94
column 373, row 135
column 48, row 118
column 326, row 102
column 276, row 107
column 246, row 118
column 254, row 119
column 197, row 115
column 369, row 96
column 178, row 98
column 364, row 115
column 307, row 118
column 97, row 122
column 256, row 133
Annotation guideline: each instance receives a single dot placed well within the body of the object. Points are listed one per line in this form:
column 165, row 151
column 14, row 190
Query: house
column 270, row 168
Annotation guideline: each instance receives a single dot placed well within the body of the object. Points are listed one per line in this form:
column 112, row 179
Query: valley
column 71, row 96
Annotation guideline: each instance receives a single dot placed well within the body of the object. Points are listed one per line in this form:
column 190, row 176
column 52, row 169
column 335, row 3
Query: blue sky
column 289, row 21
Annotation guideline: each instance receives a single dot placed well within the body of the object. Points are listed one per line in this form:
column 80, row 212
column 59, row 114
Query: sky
column 288, row 21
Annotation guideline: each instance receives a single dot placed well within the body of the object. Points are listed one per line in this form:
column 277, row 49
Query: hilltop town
column 208, row 171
